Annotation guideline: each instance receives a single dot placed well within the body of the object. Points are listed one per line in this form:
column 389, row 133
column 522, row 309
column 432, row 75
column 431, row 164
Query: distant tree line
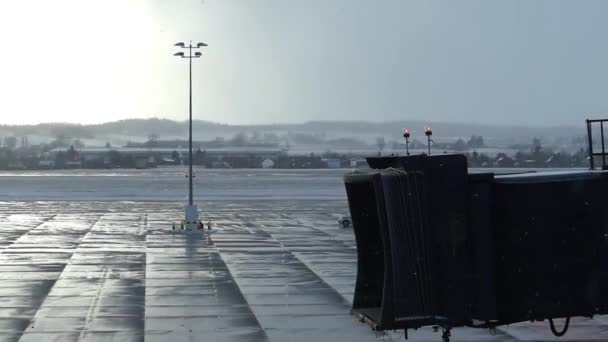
column 18, row 153
column 256, row 139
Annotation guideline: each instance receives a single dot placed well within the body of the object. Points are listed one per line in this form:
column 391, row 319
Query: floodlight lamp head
column 180, row 44
column 198, row 54
column 201, row 45
column 406, row 133
column 179, row 54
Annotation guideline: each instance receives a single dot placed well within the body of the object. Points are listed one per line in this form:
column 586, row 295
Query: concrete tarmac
column 268, row 271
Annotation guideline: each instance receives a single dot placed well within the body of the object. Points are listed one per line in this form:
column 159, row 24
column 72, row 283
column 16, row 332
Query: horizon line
column 432, row 122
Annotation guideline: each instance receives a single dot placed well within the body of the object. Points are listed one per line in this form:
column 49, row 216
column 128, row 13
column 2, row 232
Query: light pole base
column 191, row 217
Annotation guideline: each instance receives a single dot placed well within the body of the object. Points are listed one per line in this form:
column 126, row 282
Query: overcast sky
column 268, row 61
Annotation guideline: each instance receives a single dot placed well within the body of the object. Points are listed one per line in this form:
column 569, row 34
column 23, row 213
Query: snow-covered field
column 92, row 256
column 170, row 184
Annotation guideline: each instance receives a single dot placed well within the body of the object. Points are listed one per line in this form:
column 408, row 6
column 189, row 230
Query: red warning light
column 406, row 132
column 428, row 130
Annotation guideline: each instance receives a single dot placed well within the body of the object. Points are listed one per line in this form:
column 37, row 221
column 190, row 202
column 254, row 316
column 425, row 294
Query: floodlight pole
column 190, row 199
column 191, row 210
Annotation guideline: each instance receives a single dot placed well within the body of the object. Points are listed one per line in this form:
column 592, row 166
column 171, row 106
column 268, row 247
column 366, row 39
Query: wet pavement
column 268, row 271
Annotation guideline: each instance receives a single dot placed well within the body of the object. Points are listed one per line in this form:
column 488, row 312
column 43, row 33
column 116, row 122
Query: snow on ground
column 171, row 184
column 275, row 269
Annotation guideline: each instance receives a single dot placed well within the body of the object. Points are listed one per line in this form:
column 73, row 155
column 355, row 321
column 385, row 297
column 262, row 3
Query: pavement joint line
column 243, row 297
column 312, row 269
column 304, row 225
column 307, row 266
column 145, row 264
column 32, row 319
column 93, row 308
column 214, row 263
column 27, row 232
column 252, row 229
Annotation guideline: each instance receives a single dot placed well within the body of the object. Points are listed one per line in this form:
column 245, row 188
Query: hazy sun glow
column 72, row 60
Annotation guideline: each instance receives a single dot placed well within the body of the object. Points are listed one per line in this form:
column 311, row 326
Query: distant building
column 333, row 163
column 73, row 164
column 221, row 165
column 267, row 163
column 15, row 165
column 504, row 161
column 46, row 164
column 141, row 162
column 358, row 162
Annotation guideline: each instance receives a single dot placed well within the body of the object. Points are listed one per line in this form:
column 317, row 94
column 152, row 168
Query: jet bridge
column 440, row 246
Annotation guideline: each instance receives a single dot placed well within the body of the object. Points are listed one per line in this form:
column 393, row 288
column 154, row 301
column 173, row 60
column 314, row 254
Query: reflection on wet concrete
column 190, row 294
column 269, row 271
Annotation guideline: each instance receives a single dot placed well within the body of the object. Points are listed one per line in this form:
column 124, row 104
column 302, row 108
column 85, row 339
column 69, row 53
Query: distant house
column 221, row 165
column 504, row 161
column 333, row 163
column 267, row 163
column 141, row 163
column 73, row 164
column 554, row 160
column 107, row 161
column 16, row 165
column 46, row 164
column 358, row 162
column 167, row 161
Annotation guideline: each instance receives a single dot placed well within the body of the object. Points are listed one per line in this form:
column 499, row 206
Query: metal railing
column 592, row 154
